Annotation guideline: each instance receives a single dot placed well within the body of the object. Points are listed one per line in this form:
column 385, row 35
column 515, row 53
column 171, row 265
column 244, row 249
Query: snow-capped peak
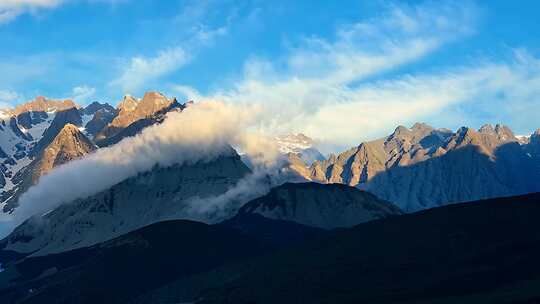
column 293, row 143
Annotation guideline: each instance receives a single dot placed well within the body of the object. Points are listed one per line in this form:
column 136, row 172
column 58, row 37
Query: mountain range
column 423, row 167
column 32, row 134
column 315, row 217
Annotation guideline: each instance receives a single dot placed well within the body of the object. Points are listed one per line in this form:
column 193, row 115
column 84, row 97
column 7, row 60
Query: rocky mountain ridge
column 28, row 129
column 424, row 167
column 131, row 110
column 69, row 144
column 42, row 104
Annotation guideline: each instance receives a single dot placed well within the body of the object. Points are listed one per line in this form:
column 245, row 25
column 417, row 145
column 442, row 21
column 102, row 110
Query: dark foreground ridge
column 478, row 252
column 117, row 270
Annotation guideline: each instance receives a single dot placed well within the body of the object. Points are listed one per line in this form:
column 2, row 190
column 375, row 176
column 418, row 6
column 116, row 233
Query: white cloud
column 497, row 90
column 188, row 92
column 191, row 27
column 343, row 115
column 8, row 15
column 208, row 35
column 325, row 88
column 207, row 130
column 11, row 9
column 401, row 35
column 141, row 70
column 7, row 98
column 112, row 2
column 82, row 94
column 196, row 33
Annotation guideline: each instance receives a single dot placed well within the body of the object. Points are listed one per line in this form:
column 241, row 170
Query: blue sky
column 340, row 71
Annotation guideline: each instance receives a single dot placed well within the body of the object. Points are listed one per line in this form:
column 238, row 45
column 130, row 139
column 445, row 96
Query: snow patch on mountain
column 293, row 143
column 523, row 139
column 301, row 145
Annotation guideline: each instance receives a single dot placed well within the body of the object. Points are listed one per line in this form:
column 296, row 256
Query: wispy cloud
column 498, row 92
column 401, row 35
column 7, row 98
column 82, row 94
column 142, row 69
column 326, row 88
column 195, row 28
column 11, row 9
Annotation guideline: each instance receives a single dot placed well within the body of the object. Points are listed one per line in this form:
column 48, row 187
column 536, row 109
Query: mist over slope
column 199, row 133
column 163, row 193
column 159, row 145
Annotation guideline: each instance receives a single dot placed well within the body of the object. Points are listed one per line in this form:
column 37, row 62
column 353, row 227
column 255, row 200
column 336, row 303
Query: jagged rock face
column 325, row 206
column 130, row 110
column 29, row 119
column 534, row 141
column 131, row 130
column 62, row 118
column 27, row 130
column 128, row 104
column 95, row 106
column 69, row 144
column 295, row 168
column 533, row 148
column 160, row 194
column 14, row 126
column 43, row 104
column 124, row 118
column 101, row 118
column 126, row 111
column 423, row 167
column 358, row 165
column 151, row 103
column 536, row 136
column 137, row 126
column 18, row 136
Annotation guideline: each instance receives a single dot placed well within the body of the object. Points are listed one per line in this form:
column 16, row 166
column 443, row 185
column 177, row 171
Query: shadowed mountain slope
column 159, row 194
column 422, row 167
column 122, row 268
column 324, row 206
column 478, row 252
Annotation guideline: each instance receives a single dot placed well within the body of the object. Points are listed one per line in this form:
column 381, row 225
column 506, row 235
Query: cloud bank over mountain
column 201, row 132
